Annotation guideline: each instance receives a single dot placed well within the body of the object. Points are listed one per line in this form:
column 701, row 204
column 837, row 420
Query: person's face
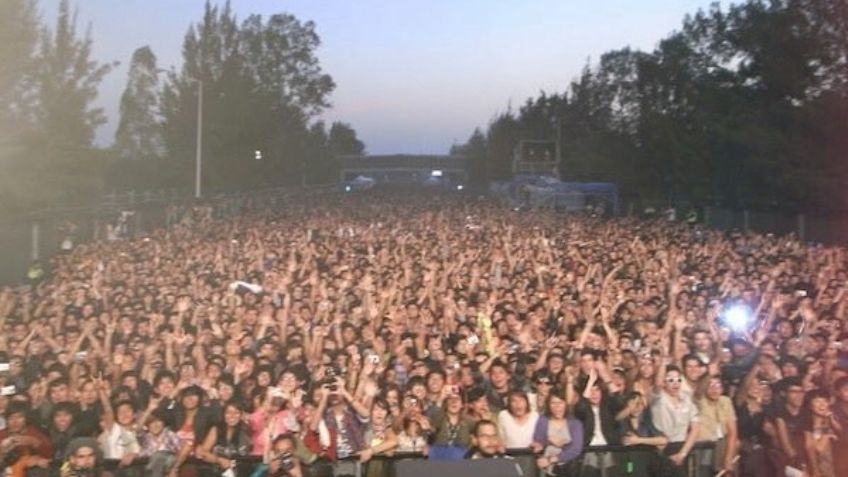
column 282, row 447
column 595, row 395
column 755, row 391
column 714, row 389
column 499, row 377
column 232, row 416
column 820, row 407
column 191, row 401
column 59, row 393
column 673, row 381
column 155, row 426
column 131, row 382
column 637, row 406
column 266, row 350
column 83, row 458
column 693, row 370
column 768, row 349
column 393, row 397
column 628, row 361
column 517, row 406
column 165, row 387
column 232, row 348
column 556, row 364
column 263, row 379
column 378, row 414
column 454, row 404
column 187, row 373
column 124, row 415
column 288, row 382
column 480, row 407
column 702, row 342
column 795, row 396
column 646, row 367
column 435, row 383
column 62, row 421
column 487, row 439
column 88, row 393
column 784, row 329
column 789, row 370
column 557, row 407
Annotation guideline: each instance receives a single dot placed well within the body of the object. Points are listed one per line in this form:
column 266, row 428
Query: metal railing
column 39, row 235
column 625, row 461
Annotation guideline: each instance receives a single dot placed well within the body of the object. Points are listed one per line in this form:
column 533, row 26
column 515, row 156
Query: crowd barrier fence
column 625, row 462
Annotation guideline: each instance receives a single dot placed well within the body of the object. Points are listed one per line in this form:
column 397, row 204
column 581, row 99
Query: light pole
column 198, row 160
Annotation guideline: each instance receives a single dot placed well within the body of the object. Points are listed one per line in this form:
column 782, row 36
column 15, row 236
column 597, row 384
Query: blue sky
column 413, row 76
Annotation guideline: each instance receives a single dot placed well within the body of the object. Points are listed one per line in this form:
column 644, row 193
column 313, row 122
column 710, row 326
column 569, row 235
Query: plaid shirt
column 166, row 441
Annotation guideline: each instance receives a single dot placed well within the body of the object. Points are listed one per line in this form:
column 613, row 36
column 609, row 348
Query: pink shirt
column 264, row 428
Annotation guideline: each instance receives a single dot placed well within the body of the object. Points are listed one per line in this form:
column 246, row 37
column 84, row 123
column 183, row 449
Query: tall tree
column 139, row 133
column 49, row 82
column 342, row 141
column 743, row 106
column 18, row 39
column 262, row 84
column 66, row 84
column 474, row 151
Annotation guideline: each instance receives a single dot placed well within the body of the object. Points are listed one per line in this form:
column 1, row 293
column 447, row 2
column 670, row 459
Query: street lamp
column 198, row 159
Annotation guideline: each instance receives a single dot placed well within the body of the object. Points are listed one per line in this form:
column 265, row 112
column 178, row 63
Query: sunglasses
column 673, row 380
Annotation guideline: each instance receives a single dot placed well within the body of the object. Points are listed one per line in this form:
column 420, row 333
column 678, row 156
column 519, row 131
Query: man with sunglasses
column 675, row 415
column 542, row 384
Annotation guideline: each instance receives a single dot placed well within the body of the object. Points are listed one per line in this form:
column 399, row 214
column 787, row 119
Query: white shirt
column 673, row 417
column 118, row 442
column 515, row 434
column 598, row 436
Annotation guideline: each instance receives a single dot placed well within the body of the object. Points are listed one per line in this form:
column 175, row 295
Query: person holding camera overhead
column 342, row 422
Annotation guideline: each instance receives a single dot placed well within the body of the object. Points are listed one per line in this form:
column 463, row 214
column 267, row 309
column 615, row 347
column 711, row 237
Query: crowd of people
column 321, row 335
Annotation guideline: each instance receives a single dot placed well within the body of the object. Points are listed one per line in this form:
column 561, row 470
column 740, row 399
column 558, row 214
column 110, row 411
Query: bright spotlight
column 738, row 317
column 348, row 188
column 460, row 187
column 436, row 173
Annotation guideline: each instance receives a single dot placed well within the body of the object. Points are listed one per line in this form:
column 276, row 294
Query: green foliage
column 743, row 106
column 262, row 85
column 139, row 133
column 66, row 81
column 19, row 30
column 48, row 82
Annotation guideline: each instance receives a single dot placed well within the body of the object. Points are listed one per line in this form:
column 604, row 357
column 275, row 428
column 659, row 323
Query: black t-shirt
column 750, row 424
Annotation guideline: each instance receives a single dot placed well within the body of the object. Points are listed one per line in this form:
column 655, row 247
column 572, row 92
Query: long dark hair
column 556, row 393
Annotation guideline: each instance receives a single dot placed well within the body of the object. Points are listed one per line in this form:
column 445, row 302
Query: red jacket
column 44, row 448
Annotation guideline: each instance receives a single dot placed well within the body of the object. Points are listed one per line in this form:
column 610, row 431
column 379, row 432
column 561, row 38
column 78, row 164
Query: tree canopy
column 263, row 89
column 744, row 106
